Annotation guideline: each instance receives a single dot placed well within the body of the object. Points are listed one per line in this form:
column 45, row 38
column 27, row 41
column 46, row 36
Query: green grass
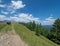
column 2, row 26
column 5, row 27
column 30, row 38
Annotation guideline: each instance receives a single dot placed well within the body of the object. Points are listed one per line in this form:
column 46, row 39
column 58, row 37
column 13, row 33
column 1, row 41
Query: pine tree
column 55, row 31
column 33, row 25
column 37, row 30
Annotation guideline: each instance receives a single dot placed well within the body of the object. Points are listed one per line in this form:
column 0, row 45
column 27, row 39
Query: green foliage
column 33, row 25
column 9, row 23
column 55, row 31
column 5, row 27
column 30, row 25
column 2, row 26
column 37, row 28
column 30, row 38
column 53, row 35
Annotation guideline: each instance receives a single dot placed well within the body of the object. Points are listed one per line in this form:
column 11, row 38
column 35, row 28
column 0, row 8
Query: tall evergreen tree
column 37, row 30
column 55, row 31
column 33, row 25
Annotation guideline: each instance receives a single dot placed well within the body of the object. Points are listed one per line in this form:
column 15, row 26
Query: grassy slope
column 5, row 28
column 30, row 37
column 2, row 26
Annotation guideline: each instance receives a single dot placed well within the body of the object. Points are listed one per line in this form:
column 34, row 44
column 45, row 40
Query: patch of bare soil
column 8, row 39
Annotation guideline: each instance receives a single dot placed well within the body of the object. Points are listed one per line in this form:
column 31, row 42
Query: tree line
column 52, row 34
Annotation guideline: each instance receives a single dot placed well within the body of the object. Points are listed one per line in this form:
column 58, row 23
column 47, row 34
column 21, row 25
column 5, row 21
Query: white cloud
column 1, row 5
column 12, row 12
column 23, row 17
column 48, row 21
column 2, row 17
column 28, row 17
column 14, row 5
column 4, row 12
column 17, row 4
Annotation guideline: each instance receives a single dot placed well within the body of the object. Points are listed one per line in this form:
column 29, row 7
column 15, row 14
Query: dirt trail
column 7, row 39
column 10, row 38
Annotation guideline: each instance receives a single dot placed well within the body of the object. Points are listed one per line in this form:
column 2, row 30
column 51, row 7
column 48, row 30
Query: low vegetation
column 5, row 27
column 52, row 34
column 30, row 37
column 55, row 32
column 34, row 34
column 2, row 25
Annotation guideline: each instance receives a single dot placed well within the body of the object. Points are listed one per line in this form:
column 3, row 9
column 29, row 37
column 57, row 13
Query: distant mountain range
column 47, row 26
column 4, row 21
column 44, row 26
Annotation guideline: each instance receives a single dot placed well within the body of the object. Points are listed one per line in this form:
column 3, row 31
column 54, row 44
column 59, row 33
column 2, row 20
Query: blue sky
column 41, row 11
column 44, row 8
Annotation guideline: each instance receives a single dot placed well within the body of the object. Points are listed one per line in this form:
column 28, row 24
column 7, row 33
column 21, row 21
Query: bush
column 9, row 23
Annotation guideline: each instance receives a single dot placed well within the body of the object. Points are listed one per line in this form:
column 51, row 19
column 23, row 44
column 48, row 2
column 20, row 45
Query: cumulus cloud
column 2, row 17
column 17, row 4
column 28, row 17
column 48, row 21
column 14, row 5
column 4, row 12
column 23, row 17
column 11, row 8
column 1, row 5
